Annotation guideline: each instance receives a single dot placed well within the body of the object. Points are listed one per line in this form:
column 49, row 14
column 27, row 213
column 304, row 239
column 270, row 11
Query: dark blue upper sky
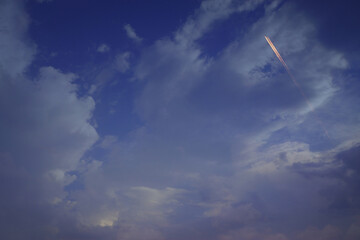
column 160, row 119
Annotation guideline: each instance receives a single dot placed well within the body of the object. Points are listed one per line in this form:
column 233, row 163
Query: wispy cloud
column 130, row 32
column 122, row 63
column 103, row 48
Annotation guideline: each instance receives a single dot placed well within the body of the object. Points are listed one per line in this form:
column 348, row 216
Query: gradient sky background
column 151, row 120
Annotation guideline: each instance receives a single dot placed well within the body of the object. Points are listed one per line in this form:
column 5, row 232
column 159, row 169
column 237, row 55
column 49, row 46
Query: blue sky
column 175, row 120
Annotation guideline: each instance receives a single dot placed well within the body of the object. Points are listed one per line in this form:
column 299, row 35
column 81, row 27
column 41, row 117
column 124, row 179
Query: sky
column 174, row 120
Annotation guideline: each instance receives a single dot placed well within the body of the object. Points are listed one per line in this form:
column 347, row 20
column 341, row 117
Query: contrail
column 296, row 83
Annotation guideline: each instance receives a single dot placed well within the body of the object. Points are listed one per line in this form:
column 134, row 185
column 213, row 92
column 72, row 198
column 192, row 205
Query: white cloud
column 153, row 205
column 231, row 91
column 137, row 212
column 217, row 115
column 103, row 48
column 202, row 160
column 209, row 12
column 122, row 63
column 16, row 52
column 106, row 73
column 53, row 122
column 283, row 155
column 45, row 131
column 130, row 32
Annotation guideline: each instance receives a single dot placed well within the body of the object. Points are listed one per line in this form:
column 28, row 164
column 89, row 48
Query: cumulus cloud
column 45, row 132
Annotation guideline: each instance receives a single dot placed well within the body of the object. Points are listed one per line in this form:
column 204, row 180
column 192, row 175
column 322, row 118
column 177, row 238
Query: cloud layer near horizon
column 228, row 148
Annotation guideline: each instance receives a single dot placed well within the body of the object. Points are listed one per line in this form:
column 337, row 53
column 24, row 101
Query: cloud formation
column 45, row 132
column 226, row 147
